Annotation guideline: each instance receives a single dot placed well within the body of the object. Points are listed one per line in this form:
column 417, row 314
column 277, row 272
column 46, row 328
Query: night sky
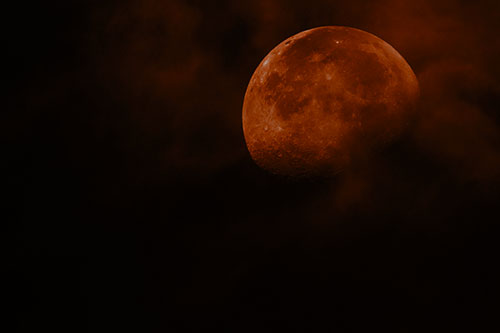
column 134, row 205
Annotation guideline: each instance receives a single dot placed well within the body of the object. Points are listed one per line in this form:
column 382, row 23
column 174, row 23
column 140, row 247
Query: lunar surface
column 325, row 98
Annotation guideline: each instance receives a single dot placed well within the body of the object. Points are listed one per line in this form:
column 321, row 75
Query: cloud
column 171, row 76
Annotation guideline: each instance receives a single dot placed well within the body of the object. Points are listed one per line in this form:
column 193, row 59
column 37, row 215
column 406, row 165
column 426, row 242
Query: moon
column 325, row 98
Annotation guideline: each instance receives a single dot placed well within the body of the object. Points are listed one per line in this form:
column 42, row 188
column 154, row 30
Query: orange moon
column 325, row 98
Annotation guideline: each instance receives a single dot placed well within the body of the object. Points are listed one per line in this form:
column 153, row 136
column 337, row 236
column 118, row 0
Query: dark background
column 136, row 206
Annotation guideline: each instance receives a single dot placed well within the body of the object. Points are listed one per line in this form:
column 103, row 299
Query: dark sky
column 136, row 206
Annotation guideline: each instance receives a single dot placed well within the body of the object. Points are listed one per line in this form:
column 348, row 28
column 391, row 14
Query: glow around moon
column 324, row 98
